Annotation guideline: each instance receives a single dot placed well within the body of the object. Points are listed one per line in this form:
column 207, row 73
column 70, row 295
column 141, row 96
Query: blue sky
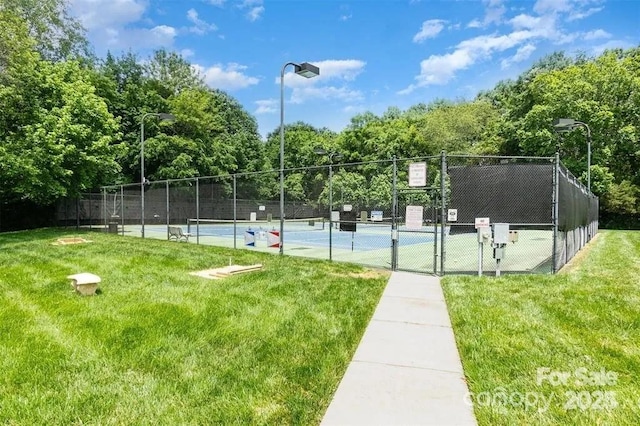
column 372, row 54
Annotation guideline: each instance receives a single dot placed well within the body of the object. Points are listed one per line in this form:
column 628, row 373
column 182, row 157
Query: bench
column 176, row 232
column 85, row 283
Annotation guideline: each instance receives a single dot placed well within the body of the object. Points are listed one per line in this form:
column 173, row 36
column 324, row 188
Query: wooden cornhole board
column 227, row 271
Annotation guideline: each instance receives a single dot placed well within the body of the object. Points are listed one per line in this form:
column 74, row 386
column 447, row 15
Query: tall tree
column 56, row 33
column 172, row 73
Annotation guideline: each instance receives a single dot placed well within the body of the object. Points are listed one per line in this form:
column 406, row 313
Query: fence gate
column 417, row 244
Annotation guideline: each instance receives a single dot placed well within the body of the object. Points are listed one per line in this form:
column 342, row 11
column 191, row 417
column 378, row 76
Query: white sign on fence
column 376, row 216
column 482, row 222
column 414, row 215
column 452, row 215
column 417, row 174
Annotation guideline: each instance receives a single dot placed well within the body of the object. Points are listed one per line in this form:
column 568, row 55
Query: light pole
column 333, row 155
column 163, row 117
column 306, row 70
column 568, row 124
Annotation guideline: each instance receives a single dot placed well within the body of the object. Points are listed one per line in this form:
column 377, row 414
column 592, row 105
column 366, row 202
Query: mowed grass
column 519, row 336
column 158, row 346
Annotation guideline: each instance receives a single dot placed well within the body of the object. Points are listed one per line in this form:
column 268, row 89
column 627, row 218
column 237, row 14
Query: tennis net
column 226, row 227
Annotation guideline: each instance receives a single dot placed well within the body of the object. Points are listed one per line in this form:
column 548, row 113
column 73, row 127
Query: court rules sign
column 417, row 174
column 414, row 215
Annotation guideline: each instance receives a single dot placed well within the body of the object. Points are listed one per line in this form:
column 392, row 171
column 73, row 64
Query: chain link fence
column 416, row 214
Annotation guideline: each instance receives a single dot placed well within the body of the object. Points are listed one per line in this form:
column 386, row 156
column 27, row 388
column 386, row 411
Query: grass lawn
column 158, row 346
column 551, row 350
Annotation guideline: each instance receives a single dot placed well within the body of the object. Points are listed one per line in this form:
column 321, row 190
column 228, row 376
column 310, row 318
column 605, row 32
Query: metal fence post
column 104, row 208
column 235, row 211
column 168, row 209
column 197, row 211
column 121, row 208
column 77, row 213
column 90, row 210
column 394, row 218
column 554, row 206
column 443, row 203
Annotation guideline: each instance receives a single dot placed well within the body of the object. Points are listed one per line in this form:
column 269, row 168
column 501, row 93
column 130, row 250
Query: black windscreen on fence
column 512, row 193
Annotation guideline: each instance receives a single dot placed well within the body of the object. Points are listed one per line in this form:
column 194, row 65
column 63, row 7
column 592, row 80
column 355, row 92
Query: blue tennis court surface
column 367, row 237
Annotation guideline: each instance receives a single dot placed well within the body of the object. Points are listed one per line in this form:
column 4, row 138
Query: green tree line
column 70, row 122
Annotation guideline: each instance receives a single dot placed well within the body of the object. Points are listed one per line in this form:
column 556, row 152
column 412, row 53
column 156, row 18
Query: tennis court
column 371, row 244
column 310, row 232
column 536, row 197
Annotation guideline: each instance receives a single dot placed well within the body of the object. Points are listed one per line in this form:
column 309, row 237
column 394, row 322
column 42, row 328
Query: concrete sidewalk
column 406, row 369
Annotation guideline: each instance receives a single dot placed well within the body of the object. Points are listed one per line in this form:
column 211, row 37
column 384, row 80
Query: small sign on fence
column 417, row 174
column 376, row 216
column 414, row 215
column 482, row 222
column 452, row 215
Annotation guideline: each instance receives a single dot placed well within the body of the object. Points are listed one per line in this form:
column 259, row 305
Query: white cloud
column 494, row 10
column 523, row 53
column 229, row 77
column 440, row 69
column 108, row 25
column 302, row 94
column 218, row 3
column 255, row 13
column 140, row 38
column 254, row 9
column 187, row 53
column 346, row 17
column 575, row 9
column 543, row 24
column 199, row 27
column 266, row 106
column 474, row 24
column 524, row 21
column 430, row 28
column 596, row 34
column 576, row 15
column 552, row 6
column 97, row 14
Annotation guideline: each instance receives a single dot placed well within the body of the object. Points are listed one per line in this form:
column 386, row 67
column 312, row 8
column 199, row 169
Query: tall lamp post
column 163, row 117
column 332, row 155
column 306, row 70
column 562, row 125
